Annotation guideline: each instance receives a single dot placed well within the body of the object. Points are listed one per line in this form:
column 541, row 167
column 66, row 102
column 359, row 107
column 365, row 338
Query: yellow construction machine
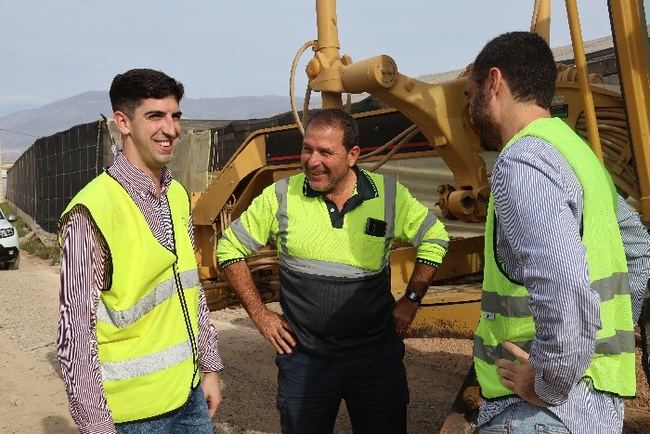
column 416, row 121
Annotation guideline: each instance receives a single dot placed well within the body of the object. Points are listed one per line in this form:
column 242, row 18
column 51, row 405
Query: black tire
column 13, row 265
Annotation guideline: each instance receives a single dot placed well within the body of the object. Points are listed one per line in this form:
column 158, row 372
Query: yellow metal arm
column 439, row 110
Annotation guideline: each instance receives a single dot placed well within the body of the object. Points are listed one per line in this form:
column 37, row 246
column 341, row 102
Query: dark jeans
column 192, row 417
column 374, row 387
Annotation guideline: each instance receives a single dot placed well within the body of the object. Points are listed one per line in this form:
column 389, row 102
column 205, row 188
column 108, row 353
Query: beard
column 488, row 131
column 334, row 178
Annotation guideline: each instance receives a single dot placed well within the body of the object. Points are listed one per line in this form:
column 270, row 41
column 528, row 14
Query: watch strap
column 413, row 296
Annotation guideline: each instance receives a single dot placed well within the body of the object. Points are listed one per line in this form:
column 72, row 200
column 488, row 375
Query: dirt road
column 33, row 400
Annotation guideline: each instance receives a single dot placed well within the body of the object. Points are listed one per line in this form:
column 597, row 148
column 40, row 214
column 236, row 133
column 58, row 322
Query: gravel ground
column 33, row 398
column 435, row 367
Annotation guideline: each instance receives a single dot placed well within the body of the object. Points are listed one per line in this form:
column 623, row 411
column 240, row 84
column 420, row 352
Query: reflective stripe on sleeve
column 427, row 224
column 442, row 243
column 244, row 236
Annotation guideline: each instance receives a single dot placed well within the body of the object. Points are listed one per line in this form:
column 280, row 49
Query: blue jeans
column 374, row 387
column 523, row 417
column 192, row 417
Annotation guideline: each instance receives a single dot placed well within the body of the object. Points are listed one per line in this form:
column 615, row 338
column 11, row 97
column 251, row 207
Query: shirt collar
column 365, row 188
column 127, row 173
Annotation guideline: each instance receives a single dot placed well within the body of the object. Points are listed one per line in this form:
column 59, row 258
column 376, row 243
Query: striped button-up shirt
column 538, row 202
column 85, row 271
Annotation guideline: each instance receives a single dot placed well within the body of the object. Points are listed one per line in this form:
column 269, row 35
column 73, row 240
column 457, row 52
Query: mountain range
column 22, row 128
column 86, row 107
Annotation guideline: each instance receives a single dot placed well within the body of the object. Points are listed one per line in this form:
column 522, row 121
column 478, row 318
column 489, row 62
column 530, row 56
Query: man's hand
column 403, row 315
column 405, row 309
column 211, row 391
column 272, row 326
column 520, row 378
column 275, row 329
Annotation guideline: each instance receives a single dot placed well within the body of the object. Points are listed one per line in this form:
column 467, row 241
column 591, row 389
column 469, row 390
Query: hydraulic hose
column 292, row 86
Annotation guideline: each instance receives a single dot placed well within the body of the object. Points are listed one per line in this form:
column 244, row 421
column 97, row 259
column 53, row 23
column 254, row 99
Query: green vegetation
column 29, row 242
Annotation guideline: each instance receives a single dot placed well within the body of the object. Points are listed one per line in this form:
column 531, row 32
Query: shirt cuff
column 228, row 262
column 547, row 393
column 427, row 262
column 210, row 362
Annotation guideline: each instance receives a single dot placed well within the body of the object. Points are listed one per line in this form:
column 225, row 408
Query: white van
column 9, row 248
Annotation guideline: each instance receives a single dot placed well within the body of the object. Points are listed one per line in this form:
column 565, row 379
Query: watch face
column 413, row 296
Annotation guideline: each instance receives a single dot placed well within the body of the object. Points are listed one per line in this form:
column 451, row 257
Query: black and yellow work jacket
column 334, row 264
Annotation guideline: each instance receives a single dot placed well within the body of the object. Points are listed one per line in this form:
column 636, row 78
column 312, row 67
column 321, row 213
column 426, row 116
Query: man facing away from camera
column 566, row 259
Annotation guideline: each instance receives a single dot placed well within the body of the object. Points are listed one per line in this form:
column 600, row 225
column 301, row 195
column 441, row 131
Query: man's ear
column 495, row 81
column 122, row 122
column 353, row 155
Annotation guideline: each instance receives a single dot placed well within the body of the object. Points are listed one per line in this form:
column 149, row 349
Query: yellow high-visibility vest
column 147, row 321
column 505, row 315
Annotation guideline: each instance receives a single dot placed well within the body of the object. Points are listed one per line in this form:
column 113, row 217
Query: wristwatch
column 413, row 296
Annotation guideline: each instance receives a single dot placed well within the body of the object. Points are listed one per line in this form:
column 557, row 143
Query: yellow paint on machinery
column 617, row 128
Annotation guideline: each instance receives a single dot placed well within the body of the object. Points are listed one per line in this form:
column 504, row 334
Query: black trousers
column 373, row 386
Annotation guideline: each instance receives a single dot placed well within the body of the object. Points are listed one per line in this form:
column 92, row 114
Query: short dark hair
column 338, row 118
column 526, row 62
column 131, row 87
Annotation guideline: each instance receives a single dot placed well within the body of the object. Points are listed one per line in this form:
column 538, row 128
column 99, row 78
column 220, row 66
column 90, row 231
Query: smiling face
column 324, row 159
column 150, row 132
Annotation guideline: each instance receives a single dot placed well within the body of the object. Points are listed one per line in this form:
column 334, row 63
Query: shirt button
column 331, row 209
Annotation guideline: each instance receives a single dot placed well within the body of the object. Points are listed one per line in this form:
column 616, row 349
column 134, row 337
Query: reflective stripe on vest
column 162, row 292
column 147, row 321
column 506, row 315
column 621, row 342
column 148, row 364
column 325, row 267
column 517, row 306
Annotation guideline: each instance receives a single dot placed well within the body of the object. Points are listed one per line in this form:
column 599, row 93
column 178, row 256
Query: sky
column 50, row 50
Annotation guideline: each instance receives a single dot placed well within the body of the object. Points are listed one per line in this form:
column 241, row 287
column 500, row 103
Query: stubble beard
column 488, row 131
column 334, row 181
